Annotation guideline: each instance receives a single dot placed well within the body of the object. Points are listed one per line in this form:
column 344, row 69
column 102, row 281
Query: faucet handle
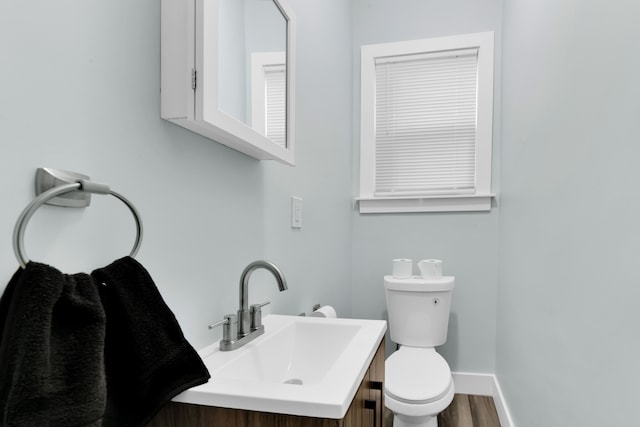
column 259, row 306
column 256, row 315
column 229, row 327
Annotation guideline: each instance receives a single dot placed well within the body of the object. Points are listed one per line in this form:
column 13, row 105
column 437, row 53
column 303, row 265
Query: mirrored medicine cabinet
column 227, row 73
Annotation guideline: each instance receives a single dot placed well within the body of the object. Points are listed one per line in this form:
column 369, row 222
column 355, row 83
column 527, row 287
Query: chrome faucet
column 247, row 325
column 248, row 321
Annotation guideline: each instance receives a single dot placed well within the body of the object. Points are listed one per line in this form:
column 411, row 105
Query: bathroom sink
column 305, row 366
column 300, row 353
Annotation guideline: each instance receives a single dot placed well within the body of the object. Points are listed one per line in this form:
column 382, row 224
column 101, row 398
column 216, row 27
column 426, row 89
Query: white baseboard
column 501, row 405
column 479, row 384
column 484, row 385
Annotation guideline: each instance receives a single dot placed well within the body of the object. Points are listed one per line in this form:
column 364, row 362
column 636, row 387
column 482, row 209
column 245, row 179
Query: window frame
column 481, row 199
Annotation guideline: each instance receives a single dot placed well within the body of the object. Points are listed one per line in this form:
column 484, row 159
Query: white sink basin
column 301, row 366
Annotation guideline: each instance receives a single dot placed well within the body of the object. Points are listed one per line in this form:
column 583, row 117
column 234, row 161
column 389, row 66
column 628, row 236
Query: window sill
column 456, row 203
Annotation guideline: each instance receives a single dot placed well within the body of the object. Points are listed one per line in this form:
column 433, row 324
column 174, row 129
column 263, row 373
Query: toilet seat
column 417, row 375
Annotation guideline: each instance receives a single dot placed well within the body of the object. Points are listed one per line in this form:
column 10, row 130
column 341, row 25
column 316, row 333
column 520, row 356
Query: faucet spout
column 243, row 313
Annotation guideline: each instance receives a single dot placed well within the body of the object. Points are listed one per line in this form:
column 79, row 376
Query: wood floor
column 470, row 411
column 465, row 411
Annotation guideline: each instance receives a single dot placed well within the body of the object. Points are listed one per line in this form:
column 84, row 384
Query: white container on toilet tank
column 419, row 310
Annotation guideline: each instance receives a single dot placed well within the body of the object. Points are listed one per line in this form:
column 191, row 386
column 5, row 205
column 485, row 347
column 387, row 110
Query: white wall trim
column 484, row 385
column 479, row 384
column 369, row 200
column 441, row 203
column 501, row 405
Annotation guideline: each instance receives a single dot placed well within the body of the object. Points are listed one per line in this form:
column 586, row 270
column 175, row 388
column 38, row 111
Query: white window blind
column 425, row 123
column 275, row 103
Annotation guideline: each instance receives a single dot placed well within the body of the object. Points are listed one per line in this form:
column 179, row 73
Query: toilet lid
column 418, row 375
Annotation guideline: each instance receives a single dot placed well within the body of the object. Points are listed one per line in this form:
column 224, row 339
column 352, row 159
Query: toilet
column 418, row 383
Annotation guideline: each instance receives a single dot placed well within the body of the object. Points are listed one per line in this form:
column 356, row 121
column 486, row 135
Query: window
column 268, row 91
column 426, row 125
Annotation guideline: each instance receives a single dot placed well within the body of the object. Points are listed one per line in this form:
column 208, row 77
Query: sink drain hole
column 296, row 381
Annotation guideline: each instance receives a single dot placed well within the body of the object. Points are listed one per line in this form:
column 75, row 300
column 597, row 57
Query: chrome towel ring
column 80, row 185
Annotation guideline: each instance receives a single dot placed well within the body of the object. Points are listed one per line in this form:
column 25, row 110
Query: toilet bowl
column 418, row 383
column 418, row 386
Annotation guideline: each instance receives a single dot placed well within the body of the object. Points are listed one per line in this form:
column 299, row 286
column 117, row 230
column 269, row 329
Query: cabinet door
column 360, row 413
column 367, row 408
column 211, row 53
column 189, row 415
column 376, row 386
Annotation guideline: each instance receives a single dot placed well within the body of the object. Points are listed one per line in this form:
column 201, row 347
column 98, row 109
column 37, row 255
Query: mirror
column 252, row 71
column 227, row 73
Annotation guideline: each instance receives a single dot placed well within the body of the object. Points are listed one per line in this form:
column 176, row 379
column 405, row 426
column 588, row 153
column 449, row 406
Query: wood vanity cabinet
column 366, row 409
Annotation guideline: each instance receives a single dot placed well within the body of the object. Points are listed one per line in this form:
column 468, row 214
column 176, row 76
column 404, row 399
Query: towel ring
column 80, row 185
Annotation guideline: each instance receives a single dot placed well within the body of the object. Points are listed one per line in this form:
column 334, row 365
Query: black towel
column 148, row 361
column 52, row 330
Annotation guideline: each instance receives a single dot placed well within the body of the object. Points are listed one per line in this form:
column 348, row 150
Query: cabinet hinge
column 194, row 78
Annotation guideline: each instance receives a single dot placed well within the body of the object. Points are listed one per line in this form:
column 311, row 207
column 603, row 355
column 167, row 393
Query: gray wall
column 317, row 257
column 79, row 90
column 568, row 313
column 556, row 259
column 467, row 242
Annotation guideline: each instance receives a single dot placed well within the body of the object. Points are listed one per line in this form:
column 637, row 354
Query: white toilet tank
column 418, row 310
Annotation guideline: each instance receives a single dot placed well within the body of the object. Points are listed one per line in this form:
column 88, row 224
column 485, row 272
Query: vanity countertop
column 305, row 366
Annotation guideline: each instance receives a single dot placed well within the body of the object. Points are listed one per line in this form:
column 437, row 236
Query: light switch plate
column 296, row 212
